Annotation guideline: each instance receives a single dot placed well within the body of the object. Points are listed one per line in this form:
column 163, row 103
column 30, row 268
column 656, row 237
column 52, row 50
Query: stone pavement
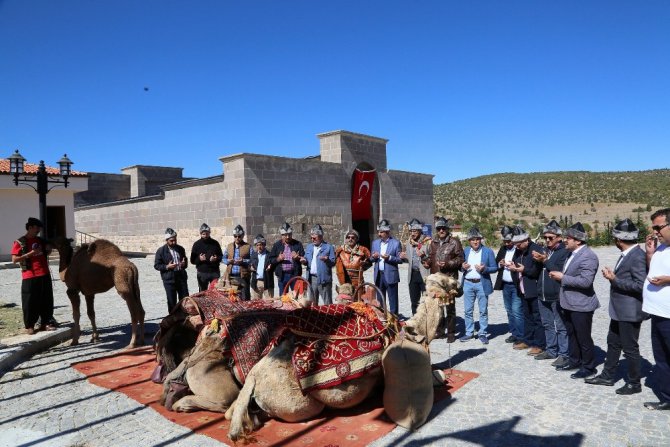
column 516, row 401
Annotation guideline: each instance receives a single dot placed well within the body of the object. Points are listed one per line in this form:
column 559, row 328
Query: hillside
column 593, row 198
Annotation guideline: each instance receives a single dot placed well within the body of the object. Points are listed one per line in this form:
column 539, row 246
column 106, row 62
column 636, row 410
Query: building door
column 55, row 221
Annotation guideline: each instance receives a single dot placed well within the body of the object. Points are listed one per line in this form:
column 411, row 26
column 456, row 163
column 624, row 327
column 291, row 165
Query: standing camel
column 96, row 268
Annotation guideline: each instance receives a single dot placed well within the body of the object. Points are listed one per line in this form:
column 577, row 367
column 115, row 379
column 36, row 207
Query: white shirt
column 315, row 257
column 474, row 258
column 261, row 264
column 623, row 254
column 175, row 258
column 383, row 246
column 509, row 254
column 655, row 299
column 572, row 256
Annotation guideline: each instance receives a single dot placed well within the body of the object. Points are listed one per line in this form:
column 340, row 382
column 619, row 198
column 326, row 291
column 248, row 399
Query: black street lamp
column 41, row 180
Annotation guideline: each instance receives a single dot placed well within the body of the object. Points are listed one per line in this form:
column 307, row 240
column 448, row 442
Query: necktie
column 618, row 262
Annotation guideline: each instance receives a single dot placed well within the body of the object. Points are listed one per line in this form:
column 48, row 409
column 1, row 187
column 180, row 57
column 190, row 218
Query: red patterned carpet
column 128, row 372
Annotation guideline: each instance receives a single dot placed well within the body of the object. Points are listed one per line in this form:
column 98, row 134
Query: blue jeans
column 554, row 330
column 514, row 310
column 283, row 279
column 471, row 292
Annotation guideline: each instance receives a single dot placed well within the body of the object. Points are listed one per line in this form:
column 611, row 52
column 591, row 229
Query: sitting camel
column 96, row 268
column 272, row 383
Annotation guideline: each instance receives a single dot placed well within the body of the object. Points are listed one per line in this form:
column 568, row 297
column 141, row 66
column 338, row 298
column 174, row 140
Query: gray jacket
column 626, row 287
column 577, row 293
column 411, row 252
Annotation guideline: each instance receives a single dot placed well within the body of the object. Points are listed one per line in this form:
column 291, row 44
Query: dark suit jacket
column 626, row 287
column 499, row 277
column 265, row 275
column 391, row 265
column 278, row 248
column 531, row 271
column 163, row 258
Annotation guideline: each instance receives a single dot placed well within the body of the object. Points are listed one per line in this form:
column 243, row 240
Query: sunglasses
column 549, row 238
column 441, row 229
column 658, row 228
column 351, row 237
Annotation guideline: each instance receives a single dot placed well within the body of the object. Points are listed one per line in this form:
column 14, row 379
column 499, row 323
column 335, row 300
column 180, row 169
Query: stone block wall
column 406, row 195
column 103, row 188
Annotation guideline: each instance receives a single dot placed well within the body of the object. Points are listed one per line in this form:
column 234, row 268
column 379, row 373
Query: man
column 352, row 259
column 625, row 309
column 553, row 259
column 529, row 271
column 480, row 263
column 236, row 257
column 416, row 273
column 319, row 259
column 171, row 261
column 444, row 254
column 578, row 300
column 285, row 257
column 508, row 282
column 656, row 302
column 386, row 257
column 37, row 299
column 262, row 278
column 206, row 256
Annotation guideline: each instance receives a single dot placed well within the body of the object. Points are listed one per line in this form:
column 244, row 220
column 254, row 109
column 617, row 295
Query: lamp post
column 41, row 180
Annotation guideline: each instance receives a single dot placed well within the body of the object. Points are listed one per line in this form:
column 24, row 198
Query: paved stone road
column 516, row 401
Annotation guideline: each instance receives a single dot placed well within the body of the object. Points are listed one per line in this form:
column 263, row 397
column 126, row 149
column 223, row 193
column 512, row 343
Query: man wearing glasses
column 285, row 257
column 171, row 261
column 444, row 254
column 552, row 259
column 352, row 259
column 237, row 258
column 319, row 259
column 386, row 255
column 508, row 282
column 656, row 302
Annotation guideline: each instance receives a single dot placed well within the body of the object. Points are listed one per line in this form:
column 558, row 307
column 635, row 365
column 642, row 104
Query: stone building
column 260, row 192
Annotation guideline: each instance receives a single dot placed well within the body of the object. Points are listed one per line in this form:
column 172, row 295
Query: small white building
column 19, row 202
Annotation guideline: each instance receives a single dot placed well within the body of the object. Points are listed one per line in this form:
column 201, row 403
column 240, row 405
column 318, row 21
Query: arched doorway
column 364, row 201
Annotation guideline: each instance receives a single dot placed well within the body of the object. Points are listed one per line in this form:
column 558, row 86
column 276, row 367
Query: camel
column 272, row 384
column 96, row 268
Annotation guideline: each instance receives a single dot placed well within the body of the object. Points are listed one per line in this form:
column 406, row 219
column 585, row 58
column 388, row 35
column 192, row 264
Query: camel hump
column 102, row 247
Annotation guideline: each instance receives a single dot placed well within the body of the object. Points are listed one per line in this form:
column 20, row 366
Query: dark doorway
column 363, row 228
column 364, row 197
column 55, row 221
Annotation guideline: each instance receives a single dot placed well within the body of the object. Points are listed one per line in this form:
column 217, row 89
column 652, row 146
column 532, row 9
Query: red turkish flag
column 361, row 194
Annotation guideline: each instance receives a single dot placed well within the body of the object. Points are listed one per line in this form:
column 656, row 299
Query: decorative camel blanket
column 335, row 343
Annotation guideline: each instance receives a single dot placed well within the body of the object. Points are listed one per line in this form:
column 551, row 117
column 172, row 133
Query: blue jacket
column 394, row 248
column 324, row 269
column 489, row 261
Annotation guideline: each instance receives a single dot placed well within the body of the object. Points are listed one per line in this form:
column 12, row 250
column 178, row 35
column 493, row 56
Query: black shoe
column 600, row 380
column 629, row 389
column 560, row 361
column 657, row 405
column 583, row 374
column 510, row 339
column 544, row 356
column 567, row 367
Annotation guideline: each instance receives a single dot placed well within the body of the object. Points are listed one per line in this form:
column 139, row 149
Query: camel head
column 425, row 325
column 65, row 251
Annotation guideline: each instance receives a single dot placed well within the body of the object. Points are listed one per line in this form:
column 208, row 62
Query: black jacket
column 532, row 270
column 265, row 275
column 547, row 288
column 209, row 247
column 163, row 258
column 499, row 277
column 278, row 248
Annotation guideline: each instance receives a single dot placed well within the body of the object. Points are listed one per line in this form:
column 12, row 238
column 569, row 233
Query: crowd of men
column 547, row 289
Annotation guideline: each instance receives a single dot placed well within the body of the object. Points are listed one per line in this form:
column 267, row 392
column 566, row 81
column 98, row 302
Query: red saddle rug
column 335, row 343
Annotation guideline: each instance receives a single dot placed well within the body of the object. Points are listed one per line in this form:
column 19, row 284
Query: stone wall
column 104, row 188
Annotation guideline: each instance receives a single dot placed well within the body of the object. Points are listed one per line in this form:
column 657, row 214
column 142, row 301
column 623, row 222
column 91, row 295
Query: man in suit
column 262, row 278
column 479, row 263
column 626, row 281
column 285, row 257
column 171, row 261
column 386, row 255
column 444, row 254
column 416, row 273
column 578, row 300
column 656, row 302
column 319, row 259
column 236, row 258
column 508, row 282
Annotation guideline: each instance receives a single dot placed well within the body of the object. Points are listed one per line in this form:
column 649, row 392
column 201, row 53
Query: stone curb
column 14, row 350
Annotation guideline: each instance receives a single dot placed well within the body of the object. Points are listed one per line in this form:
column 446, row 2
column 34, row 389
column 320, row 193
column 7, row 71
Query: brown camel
column 96, row 268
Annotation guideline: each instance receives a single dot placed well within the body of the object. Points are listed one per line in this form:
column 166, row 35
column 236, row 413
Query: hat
column 354, row 232
column 519, row 234
column 170, row 233
column 626, row 231
column 552, row 227
column 415, row 224
column 384, row 225
column 238, row 231
column 316, row 230
column 441, row 222
column 205, row 227
column 577, row 231
column 259, row 239
column 285, row 229
column 506, row 232
column 473, row 233
column 32, row 221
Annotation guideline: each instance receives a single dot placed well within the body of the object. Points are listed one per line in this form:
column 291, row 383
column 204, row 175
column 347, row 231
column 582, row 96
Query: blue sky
column 460, row 89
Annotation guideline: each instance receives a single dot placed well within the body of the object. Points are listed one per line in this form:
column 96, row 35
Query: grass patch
column 11, row 319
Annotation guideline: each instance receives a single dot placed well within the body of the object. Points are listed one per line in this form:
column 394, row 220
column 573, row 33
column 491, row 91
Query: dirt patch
column 11, row 320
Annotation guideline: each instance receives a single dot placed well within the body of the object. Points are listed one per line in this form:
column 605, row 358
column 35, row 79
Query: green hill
column 593, row 198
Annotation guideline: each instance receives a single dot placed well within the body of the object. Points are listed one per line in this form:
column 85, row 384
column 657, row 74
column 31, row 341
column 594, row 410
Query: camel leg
column 136, row 321
column 194, row 403
column 240, row 422
column 75, row 301
column 90, row 311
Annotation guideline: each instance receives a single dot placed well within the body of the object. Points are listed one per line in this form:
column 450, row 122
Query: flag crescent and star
column 361, row 194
